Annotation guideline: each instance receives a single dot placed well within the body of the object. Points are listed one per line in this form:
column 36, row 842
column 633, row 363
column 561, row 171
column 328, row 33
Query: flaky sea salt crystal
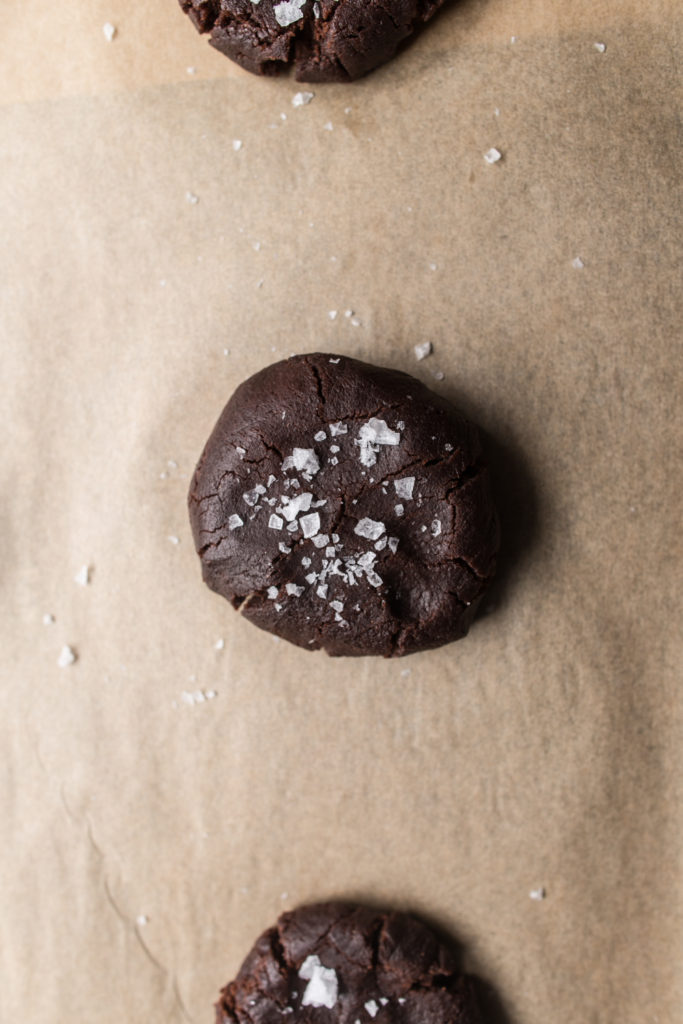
column 299, row 503
column 322, row 985
column 67, row 656
column 399, row 510
column 301, row 99
column 404, row 487
column 276, row 522
column 578, row 263
column 235, row 521
column 310, row 524
column 493, row 155
column 320, row 436
column 237, row 145
column 600, row 47
column 338, row 428
column 272, row 593
column 109, row 31
column 322, row 591
column 423, row 350
column 435, row 528
column 289, row 11
column 371, row 435
column 304, row 460
column 82, row 577
column 371, row 529
column 537, row 894
column 293, row 590
column 372, row 1008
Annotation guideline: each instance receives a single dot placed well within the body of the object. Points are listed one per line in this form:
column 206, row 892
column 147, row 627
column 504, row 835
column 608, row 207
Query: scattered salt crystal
column 293, row 527
column 321, row 540
column 235, row 521
column 371, row 529
column 192, row 198
column 438, row 375
column 335, row 361
column 600, row 47
column 310, row 524
column 272, row 593
column 328, row 126
column 48, row 619
column 301, row 99
column 404, row 487
column 305, row 562
column 109, row 31
column 332, row 314
column 393, row 544
column 304, row 460
column 423, row 350
column 287, row 12
column 383, row 1000
column 237, row 145
column 435, row 528
column 174, row 540
column 373, row 434
column 322, row 591
column 373, row 579
column 141, row 920
column 82, row 577
column 322, row 985
column 220, row 644
column 537, row 894
column 338, row 606
column 320, row 436
column 355, row 321
column 493, row 155
column 338, row 428
column 348, row 313
column 191, row 71
column 276, row 522
column 578, row 263
column 381, row 544
column 311, row 578
column 293, row 590
column 372, row 1007
column 399, row 510
column 448, row 447
column 67, row 656
column 299, row 503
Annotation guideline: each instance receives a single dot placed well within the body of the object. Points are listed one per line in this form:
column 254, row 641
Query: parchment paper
column 149, row 836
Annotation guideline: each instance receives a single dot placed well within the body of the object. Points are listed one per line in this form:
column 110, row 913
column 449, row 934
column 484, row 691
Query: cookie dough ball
column 335, row 963
column 346, row 507
column 324, row 40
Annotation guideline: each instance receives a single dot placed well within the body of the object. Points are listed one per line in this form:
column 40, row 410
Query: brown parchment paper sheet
column 147, row 841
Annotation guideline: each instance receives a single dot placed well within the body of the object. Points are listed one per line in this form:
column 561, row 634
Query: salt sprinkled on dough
column 283, row 549
column 304, row 460
column 276, row 522
column 369, row 528
column 235, row 521
column 320, row 436
column 321, row 540
column 493, row 155
column 293, row 590
column 82, row 577
column 299, row 503
column 301, row 99
column 67, row 656
column 271, row 593
column 310, row 524
column 338, row 428
column 372, row 1007
column 288, row 12
column 424, row 350
column 322, row 985
column 399, row 510
column 109, row 31
column 370, row 436
column 435, row 528
column 404, row 487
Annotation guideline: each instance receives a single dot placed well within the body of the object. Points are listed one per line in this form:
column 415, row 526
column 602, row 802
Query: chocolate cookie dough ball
column 344, row 506
column 324, row 40
column 335, row 963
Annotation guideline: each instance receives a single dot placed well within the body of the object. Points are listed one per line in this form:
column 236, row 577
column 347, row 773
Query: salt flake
column 372, row 1007
column 310, row 524
column 235, row 521
column 404, row 487
column 371, row 529
column 109, row 31
column 301, row 99
column 276, row 522
column 304, row 460
column 293, row 590
column 67, row 656
column 493, row 155
column 371, row 435
column 322, row 985
column 423, row 350
column 82, row 577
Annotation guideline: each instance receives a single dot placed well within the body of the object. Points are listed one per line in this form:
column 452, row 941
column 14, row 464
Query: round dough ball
column 343, row 506
column 324, row 40
column 340, row 963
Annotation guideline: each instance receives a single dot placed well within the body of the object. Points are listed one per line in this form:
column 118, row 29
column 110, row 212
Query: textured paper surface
column 147, row 841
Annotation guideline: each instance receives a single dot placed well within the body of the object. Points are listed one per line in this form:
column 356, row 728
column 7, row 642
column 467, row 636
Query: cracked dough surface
column 343, row 506
column 325, row 40
column 381, row 967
